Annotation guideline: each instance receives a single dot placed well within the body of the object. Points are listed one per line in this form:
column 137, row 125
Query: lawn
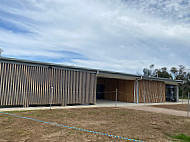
column 146, row 126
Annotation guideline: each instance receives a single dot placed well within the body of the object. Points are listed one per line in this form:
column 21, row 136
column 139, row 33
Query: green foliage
column 176, row 73
column 164, row 73
column 186, row 86
column 182, row 137
column 151, row 72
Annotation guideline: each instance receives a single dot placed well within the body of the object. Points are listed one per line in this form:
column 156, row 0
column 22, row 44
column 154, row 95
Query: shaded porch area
column 115, row 89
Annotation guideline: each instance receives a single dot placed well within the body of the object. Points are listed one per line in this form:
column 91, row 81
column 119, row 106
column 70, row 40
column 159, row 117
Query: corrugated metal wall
column 151, row 91
column 25, row 84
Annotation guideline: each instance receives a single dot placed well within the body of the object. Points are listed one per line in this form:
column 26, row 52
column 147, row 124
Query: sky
column 116, row 35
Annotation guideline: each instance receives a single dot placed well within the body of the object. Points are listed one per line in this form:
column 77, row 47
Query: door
column 100, row 91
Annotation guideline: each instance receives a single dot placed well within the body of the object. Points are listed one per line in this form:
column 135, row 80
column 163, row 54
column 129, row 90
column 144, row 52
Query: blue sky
column 117, row 35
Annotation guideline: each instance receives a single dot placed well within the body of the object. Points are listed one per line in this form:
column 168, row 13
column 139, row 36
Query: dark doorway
column 100, row 91
column 171, row 93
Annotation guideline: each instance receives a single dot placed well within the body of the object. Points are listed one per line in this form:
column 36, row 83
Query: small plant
column 182, row 137
column 71, row 115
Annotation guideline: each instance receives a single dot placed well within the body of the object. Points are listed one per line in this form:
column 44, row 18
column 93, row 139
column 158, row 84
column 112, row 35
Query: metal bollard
column 182, row 96
column 51, row 97
column 116, row 98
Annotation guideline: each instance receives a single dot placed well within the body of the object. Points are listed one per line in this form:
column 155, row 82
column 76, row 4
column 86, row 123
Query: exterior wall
column 125, row 89
column 151, row 91
column 110, row 86
column 25, row 84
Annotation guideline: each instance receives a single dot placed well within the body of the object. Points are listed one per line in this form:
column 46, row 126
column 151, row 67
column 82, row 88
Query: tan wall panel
column 151, row 91
column 110, row 86
column 126, row 90
column 22, row 84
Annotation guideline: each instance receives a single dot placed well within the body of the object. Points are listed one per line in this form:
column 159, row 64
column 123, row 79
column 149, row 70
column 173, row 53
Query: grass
column 182, row 137
column 184, row 97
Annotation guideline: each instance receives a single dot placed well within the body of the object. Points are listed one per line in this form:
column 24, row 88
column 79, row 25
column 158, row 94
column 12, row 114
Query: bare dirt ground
column 156, row 109
column 147, row 126
column 180, row 107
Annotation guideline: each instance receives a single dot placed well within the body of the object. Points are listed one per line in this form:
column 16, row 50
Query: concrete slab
column 99, row 103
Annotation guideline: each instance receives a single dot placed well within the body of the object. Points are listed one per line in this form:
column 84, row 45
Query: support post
column 116, row 98
column 51, row 97
column 188, row 107
column 177, row 93
column 137, row 91
column 182, row 96
column 144, row 92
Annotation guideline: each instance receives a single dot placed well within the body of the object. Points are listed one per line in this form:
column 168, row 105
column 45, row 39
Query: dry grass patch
column 135, row 124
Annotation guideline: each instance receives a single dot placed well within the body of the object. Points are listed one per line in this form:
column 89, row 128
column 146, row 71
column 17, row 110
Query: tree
column 184, row 88
column 164, row 73
column 146, row 72
column 174, row 72
column 152, row 70
column 188, row 76
column 181, row 73
column 156, row 71
column 151, row 66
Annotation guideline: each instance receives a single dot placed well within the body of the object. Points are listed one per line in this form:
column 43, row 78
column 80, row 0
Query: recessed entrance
column 106, row 89
column 171, row 93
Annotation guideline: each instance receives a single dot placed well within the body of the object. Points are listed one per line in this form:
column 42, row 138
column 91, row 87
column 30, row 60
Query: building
column 27, row 83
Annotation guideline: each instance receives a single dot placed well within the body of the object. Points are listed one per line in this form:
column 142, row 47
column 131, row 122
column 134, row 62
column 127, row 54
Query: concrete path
column 108, row 103
column 146, row 107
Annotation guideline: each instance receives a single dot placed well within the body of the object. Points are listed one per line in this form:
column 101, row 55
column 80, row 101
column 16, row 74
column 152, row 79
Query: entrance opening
column 171, row 93
column 100, row 91
column 106, row 89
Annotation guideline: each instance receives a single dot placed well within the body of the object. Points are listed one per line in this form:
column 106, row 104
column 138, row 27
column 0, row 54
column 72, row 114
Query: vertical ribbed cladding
column 28, row 84
column 1, row 74
column 80, row 87
column 77, row 87
column 153, row 91
column 65, row 74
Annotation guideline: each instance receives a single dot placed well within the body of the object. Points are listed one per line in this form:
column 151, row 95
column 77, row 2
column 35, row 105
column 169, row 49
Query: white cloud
column 115, row 35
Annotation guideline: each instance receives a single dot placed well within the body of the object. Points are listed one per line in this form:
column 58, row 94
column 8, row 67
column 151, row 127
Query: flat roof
column 99, row 73
column 38, row 63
